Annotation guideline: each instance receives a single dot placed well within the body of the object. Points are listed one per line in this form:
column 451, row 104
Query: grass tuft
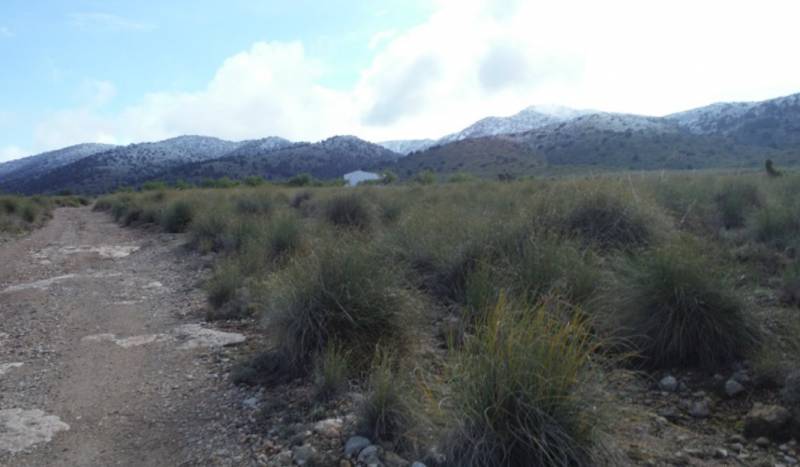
column 515, row 393
column 677, row 310
column 349, row 210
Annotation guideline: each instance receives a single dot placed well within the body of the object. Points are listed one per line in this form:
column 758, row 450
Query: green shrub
column 735, row 200
column 300, row 199
column 515, row 395
column 254, row 180
column 177, row 217
column 776, row 225
column 386, row 412
column 349, row 211
column 461, row 177
column 284, row 236
column 255, row 205
column 224, row 283
column 154, row 185
column 608, row 222
column 544, row 263
column 209, row 231
column 426, row 177
column 331, row 373
column 343, row 295
column 676, row 309
column 10, row 205
column 29, row 213
column 303, row 179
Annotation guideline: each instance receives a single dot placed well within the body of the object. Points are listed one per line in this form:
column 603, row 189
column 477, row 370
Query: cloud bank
column 470, row 59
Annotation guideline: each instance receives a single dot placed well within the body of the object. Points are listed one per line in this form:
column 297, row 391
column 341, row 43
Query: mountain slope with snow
column 31, row 167
column 326, row 159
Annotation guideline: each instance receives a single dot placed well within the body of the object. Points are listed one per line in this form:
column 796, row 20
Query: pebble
column 354, row 445
column 330, row 428
column 303, row 454
column 733, row 388
column 370, row 455
column 769, row 421
column 668, row 383
column 700, row 409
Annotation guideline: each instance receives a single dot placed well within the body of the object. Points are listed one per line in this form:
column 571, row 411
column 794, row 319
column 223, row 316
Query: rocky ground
column 105, row 359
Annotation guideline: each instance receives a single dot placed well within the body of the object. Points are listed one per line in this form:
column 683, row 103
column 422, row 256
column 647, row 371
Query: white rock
column 20, row 429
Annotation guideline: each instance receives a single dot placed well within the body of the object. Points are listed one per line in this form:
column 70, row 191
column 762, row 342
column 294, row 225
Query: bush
column 349, row 211
column 154, row 185
column 223, row 284
column 284, row 237
column 515, row 393
column 386, row 413
column 608, row 222
column 331, row 373
column 254, row 180
column 675, row 309
column 300, row 199
column 29, row 213
column 177, row 217
column 776, row 225
column 426, row 177
column 256, row 205
column 208, row 231
column 303, row 179
column 735, row 200
column 544, row 263
column 342, row 296
column 10, row 205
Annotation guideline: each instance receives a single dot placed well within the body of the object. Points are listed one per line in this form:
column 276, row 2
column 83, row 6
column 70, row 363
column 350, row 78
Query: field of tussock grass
column 515, row 293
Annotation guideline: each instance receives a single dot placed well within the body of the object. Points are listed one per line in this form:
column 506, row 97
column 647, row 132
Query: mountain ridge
column 719, row 135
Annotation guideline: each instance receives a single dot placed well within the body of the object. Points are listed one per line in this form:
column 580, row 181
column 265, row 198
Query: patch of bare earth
column 104, row 358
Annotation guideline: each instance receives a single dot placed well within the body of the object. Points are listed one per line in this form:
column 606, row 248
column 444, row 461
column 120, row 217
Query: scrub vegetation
column 473, row 313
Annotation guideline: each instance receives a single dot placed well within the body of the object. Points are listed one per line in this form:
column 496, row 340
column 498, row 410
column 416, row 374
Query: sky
column 117, row 71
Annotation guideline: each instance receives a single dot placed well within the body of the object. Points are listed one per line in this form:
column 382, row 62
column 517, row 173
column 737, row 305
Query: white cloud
column 8, row 153
column 474, row 58
column 5, row 31
column 270, row 89
column 107, row 21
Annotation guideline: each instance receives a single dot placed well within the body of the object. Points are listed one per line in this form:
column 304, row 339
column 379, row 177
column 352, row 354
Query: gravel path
column 103, row 360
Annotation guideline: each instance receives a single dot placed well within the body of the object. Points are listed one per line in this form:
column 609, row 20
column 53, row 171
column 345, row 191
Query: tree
column 771, row 170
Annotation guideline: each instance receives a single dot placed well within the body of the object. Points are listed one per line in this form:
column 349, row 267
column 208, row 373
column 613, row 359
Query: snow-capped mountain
column 121, row 165
column 773, row 123
column 528, row 119
column 719, row 135
column 33, row 166
column 259, row 146
column 407, row 146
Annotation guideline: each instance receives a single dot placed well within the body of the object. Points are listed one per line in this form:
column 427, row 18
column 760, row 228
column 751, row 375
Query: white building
column 354, row 178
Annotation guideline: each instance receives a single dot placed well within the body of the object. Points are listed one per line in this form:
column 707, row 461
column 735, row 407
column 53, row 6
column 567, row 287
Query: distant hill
column 22, row 170
column 407, row 146
column 327, row 159
column 533, row 141
column 119, row 166
column 528, row 119
column 774, row 123
column 486, row 157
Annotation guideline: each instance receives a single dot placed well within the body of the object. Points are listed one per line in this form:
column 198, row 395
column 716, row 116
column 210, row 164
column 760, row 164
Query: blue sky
column 53, row 50
column 123, row 71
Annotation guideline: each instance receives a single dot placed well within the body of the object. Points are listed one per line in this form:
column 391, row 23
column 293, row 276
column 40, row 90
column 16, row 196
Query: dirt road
column 104, row 359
